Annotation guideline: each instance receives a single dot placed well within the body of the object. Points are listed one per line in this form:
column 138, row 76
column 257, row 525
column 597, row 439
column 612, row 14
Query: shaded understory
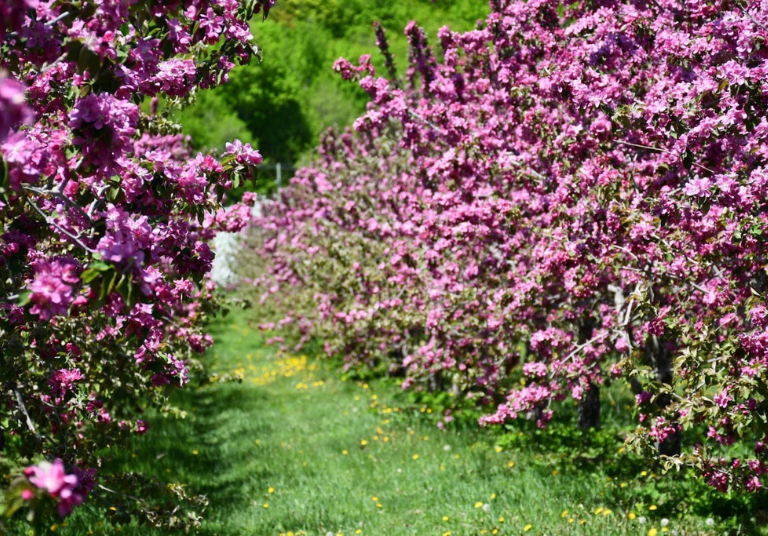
column 297, row 449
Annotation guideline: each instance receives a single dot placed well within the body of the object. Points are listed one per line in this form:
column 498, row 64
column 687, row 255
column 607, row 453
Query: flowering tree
column 104, row 222
column 577, row 196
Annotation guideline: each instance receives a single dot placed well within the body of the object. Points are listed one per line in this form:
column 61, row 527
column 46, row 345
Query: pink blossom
column 52, row 289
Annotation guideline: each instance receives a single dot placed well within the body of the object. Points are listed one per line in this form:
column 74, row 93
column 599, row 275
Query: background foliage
column 284, row 104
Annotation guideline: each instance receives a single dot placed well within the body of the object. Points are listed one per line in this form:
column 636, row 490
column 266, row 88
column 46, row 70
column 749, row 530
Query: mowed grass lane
column 295, row 449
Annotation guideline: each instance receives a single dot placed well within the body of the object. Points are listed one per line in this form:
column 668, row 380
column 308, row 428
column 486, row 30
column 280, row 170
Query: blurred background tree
column 282, row 105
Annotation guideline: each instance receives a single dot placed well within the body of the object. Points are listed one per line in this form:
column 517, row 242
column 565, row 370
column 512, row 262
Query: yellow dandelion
column 271, row 490
column 599, row 510
column 653, row 532
column 493, row 496
column 375, row 499
column 501, row 519
column 375, row 438
column 652, row 507
column 378, row 505
column 265, row 505
column 607, row 512
column 445, row 518
column 456, row 456
column 643, row 473
column 511, row 464
column 527, row 527
column 623, row 485
column 358, row 531
column 386, row 439
column 570, row 520
column 499, row 449
column 565, row 513
column 555, row 472
column 415, row 456
column 631, row 516
column 447, row 533
column 345, row 452
column 363, row 442
column 478, row 504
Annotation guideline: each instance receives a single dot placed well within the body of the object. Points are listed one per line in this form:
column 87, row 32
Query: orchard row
column 565, row 197
column 105, row 218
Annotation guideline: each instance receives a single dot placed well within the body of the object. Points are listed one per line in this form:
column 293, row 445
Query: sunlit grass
column 296, row 449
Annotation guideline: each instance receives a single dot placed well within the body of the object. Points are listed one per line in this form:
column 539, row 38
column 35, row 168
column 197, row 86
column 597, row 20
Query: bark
column 589, row 408
column 589, row 405
column 659, row 355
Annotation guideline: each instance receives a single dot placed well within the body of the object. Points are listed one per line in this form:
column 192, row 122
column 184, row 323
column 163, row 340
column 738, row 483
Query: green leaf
column 24, row 297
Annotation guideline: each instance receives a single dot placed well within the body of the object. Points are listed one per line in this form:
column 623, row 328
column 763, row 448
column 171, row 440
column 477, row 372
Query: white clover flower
column 641, row 519
column 664, row 522
column 709, row 522
column 486, row 507
column 447, row 448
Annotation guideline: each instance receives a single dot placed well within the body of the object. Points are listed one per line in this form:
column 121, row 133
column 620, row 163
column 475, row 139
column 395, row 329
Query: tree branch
column 59, row 228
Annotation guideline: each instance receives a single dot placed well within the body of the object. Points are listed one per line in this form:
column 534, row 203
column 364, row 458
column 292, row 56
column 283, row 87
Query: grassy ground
column 295, row 449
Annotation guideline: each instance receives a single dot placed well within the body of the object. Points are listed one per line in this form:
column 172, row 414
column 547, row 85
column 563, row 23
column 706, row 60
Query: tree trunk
column 660, row 356
column 589, row 405
column 589, row 408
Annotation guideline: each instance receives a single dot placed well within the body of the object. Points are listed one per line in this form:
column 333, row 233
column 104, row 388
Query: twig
column 58, row 19
column 580, row 347
column 528, row 169
column 61, row 196
column 54, row 63
column 621, row 142
column 98, row 201
column 624, row 249
column 417, row 116
column 743, row 10
column 52, row 223
column 137, row 499
column 23, row 407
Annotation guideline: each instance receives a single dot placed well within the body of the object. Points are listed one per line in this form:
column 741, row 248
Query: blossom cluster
column 105, row 219
column 564, row 197
column 69, row 490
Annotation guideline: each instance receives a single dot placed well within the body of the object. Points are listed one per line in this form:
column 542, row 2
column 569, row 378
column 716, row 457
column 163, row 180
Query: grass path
column 294, row 449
